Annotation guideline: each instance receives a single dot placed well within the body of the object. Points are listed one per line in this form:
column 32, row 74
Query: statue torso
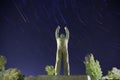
column 62, row 43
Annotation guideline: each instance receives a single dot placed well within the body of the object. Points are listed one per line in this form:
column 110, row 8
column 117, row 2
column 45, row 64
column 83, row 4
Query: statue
column 62, row 51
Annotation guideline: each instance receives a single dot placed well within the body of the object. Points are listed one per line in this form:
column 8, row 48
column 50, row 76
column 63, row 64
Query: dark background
column 27, row 33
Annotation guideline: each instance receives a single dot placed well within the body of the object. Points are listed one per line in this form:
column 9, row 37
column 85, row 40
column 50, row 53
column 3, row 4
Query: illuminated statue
column 62, row 51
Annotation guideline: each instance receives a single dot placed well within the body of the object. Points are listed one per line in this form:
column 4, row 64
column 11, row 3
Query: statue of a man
column 62, row 51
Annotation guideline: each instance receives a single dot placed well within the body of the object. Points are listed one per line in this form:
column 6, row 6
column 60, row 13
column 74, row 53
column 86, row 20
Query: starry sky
column 27, row 33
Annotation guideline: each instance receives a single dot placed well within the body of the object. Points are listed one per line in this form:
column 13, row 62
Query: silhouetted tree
column 93, row 68
column 3, row 61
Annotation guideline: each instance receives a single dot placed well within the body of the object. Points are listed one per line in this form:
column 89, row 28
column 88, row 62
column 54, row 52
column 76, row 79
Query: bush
column 30, row 78
column 50, row 70
column 12, row 74
column 113, row 74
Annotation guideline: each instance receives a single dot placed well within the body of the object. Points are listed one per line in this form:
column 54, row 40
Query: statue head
column 62, row 36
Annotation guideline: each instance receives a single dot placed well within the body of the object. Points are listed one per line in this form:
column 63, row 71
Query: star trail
column 27, row 33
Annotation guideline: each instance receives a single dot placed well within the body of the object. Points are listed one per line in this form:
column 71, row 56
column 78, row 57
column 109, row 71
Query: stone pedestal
column 76, row 77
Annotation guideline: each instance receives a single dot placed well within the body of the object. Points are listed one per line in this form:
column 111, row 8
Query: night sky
column 27, row 33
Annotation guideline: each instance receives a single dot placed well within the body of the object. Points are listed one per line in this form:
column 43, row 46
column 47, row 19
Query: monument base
column 78, row 77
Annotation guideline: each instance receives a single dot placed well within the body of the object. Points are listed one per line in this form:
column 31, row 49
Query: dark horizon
column 27, row 33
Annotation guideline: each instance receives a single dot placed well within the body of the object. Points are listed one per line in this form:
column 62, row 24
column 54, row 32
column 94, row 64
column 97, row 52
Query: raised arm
column 57, row 32
column 67, row 33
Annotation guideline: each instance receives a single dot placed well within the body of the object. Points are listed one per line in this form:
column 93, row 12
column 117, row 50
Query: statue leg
column 58, row 62
column 66, row 63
